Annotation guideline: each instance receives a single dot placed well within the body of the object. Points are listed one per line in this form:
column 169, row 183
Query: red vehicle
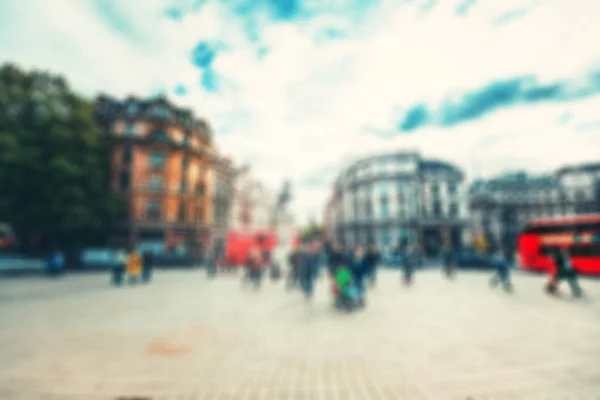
column 7, row 237
column 580, row 234
column 240, row 242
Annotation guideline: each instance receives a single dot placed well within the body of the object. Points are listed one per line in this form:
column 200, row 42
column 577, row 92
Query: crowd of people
column 352, row 271
column 349, row 271
column 133, row 267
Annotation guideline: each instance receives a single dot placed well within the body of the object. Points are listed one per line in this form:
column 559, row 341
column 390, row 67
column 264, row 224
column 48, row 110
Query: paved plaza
column 187, row 337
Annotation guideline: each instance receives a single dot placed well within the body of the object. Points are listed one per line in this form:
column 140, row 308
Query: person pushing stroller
column 346, row 293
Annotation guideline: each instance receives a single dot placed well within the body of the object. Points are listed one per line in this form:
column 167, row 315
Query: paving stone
column 187, row 337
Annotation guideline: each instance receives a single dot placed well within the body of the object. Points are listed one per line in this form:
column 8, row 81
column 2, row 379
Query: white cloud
column 304, row 104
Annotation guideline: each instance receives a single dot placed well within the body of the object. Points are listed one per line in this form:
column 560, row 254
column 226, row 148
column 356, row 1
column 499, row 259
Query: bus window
column 585, row 251
column 552, row 228
column 7, row 237
column 547, row 250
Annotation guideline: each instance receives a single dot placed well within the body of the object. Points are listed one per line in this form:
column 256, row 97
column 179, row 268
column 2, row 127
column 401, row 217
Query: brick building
column 165, row 164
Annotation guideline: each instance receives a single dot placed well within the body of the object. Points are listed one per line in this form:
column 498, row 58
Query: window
column 383, row 187
column 435, row 189
column 563, row 228
column 127, row 156
column 130, row 129
column 401, row 198
column 124, row 180
column 185, row 163
column 385, row 210
column 183, row 187
column 153, row 210
column 156, row 183
column 585, row 251
column 437, row 209
column 401, row 212
column 386, row 238
column 160, row 137
column 161, row 111
column 132, row 108
column 451, row 188
column 453, row 210
column 186, row 140
column 181, row 212
column 157, row 159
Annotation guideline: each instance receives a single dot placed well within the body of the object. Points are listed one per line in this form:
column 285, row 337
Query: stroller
column 346, row 294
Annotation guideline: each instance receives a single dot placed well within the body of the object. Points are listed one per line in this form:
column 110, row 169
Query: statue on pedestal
column 283, row 200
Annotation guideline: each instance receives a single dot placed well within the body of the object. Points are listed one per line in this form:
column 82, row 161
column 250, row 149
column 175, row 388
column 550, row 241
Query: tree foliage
column 313, row 231
column 54, row 162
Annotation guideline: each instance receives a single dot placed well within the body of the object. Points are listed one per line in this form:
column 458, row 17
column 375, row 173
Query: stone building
column 393, row 198
column 502, row 206
column 581, row 187
column 165, row 165
column 253, row 203
column 224, row 178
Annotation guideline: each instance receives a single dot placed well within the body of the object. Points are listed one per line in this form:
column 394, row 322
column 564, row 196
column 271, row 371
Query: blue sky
column 300, row 88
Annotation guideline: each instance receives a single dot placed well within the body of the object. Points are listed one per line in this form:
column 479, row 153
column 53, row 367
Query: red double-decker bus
column 579, row 234
column 241, row 241
column 7, row 237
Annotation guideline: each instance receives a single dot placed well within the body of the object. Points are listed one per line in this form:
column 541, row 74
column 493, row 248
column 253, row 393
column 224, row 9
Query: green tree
column 313, row 231
column 54, row 162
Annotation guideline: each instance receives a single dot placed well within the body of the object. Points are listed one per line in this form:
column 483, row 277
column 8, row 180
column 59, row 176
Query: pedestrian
column 501, row 265
column 294, row 266
column 563, row 270
column 359, row 271
column 212, row 261
column 308, row 267
column 335, row 258
column 254, row 268
column 448, row 261
column 134, row 266
column 119, row 267
column 55, row 263
column 147, row 266
column 372, row 260
column 407, row 264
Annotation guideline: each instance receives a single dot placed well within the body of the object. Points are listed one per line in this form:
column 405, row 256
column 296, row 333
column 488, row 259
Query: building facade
column 165, row 165
column 253, row 203
column 223, row 183
column 581, row 187
column 329, row 220
column 399, row 198
column 501, row 207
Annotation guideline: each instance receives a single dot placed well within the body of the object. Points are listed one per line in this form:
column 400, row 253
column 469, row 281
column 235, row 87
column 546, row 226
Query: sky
column 300, row 88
